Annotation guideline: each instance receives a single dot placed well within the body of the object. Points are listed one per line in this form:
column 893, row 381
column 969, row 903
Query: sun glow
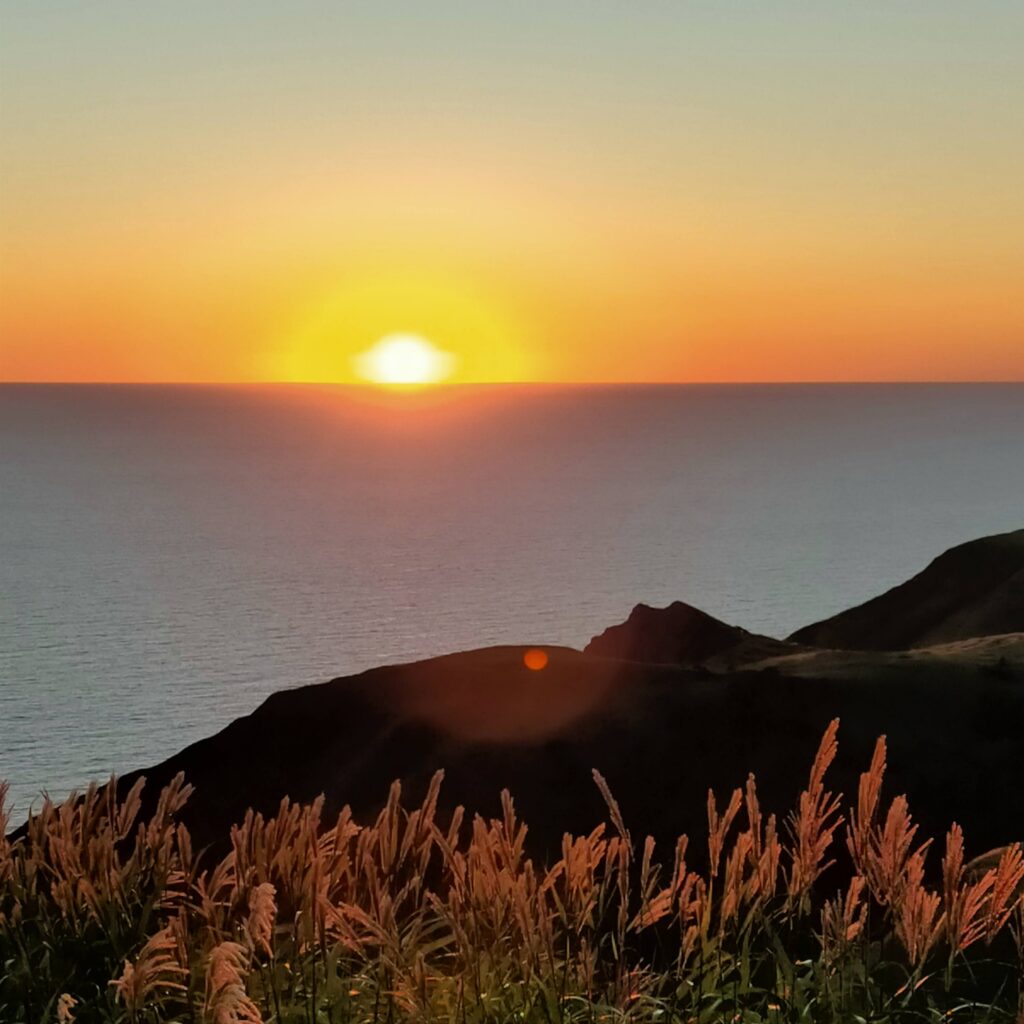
column 404, row 360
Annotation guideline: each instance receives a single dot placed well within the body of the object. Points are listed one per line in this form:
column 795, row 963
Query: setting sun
column 404, row 359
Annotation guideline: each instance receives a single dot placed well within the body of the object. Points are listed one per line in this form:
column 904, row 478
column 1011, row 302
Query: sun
column 404, row 360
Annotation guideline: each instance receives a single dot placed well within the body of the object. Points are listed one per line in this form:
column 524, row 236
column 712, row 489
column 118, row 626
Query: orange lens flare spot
column 535, row 659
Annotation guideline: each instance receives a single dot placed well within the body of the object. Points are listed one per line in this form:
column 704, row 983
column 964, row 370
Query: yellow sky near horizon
column 584, row 194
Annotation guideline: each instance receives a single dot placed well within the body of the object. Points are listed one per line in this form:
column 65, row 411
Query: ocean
column 170, row 555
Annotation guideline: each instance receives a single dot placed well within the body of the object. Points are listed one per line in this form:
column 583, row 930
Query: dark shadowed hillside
column 661, row 734
column 666, row 705
column 975, row 589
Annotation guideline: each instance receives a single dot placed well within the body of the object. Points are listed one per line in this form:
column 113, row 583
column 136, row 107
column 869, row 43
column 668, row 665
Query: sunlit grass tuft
column 106, row 918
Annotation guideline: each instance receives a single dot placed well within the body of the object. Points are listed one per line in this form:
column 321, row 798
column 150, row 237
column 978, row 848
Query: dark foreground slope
column 661, row 734
column 665, row 705
column 975, row 589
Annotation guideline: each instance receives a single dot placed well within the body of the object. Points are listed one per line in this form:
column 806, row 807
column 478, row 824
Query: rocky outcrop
column 682, row 635
column 975, row 589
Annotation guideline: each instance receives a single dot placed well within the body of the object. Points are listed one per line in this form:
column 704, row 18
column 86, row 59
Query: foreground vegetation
column 106, row 918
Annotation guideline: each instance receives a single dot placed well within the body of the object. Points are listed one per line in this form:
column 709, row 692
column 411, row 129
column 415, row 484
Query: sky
column 566, row 191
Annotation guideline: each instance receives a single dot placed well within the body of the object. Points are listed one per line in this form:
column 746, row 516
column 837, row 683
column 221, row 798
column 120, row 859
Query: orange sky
column 591, row 193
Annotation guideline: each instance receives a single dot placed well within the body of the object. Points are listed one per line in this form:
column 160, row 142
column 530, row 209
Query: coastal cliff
column 664, row 716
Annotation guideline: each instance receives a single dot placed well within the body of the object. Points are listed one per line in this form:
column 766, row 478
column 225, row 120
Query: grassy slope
column 662, row 735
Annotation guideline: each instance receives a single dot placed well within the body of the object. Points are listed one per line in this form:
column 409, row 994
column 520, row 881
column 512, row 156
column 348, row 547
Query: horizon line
column 443, row 385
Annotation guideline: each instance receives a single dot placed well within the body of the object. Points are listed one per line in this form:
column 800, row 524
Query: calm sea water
column 169, row 556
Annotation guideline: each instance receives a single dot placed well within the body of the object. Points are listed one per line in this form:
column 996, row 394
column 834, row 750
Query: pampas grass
column 107, row 919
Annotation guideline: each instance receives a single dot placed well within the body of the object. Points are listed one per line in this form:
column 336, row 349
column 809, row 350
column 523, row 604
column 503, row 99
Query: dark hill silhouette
column 665, row 705
column 660, row 734
column 682, row 635
column 975, row 589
